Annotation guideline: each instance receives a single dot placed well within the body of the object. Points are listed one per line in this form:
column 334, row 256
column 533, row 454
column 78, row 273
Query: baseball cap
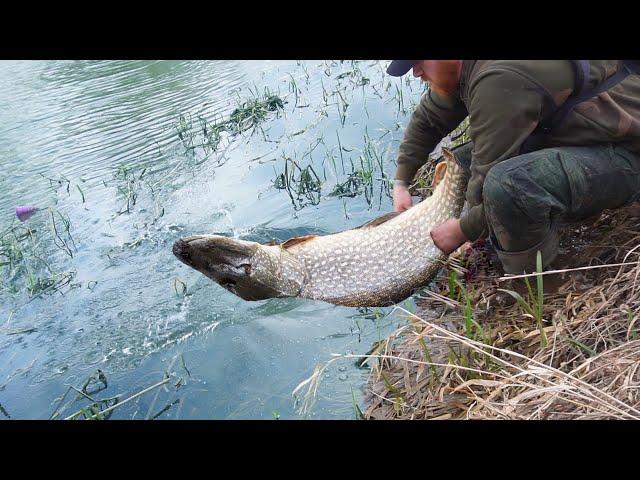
column 397, row 68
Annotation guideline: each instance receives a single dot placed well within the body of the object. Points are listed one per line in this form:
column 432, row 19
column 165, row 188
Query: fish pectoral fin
column 441, row 170
column 297, row 240
column 380, row 220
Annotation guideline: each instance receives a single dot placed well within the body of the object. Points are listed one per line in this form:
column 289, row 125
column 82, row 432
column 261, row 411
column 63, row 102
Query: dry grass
column 439, row 367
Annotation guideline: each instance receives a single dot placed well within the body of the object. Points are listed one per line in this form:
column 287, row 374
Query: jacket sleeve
column 504, row 109
column 433, row 119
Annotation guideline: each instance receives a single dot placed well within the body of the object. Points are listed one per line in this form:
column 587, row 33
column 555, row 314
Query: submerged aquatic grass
column 252, row 112
column 62, row 237
column 303, row 185
column 249, row 114
column 128, row 183
column 362, row 178
column 26, row 261
column 103, row 408
column 364, row 175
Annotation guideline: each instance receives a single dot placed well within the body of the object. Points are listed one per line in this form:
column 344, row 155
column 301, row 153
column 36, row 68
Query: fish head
column 247, row 269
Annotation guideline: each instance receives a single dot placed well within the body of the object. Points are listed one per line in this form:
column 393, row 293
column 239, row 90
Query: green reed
column 249, row 114
column 534, row 305
column 342, row 105
column 303, row 185
column 128, row 186
column 62, row 237
column 459, row 292
column 361, row 179
column 26, row 257
column 102, row 408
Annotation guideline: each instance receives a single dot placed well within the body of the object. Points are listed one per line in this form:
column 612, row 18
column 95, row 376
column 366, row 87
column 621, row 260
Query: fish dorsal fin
column 297, row 240
column 305, row 238
column 441, row 171
column 380, row 220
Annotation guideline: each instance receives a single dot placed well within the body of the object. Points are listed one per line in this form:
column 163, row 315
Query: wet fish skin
column 379, row 264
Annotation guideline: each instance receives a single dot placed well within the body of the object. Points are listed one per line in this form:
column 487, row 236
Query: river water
column 119, row 158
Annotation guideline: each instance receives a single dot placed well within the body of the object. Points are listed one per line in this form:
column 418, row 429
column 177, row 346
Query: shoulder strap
column 572, row 101
column 579, row 95
column 581, row 69
column 633, row 66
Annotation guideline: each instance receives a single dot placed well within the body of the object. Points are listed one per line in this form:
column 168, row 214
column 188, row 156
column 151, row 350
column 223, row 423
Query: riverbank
column 474, row 350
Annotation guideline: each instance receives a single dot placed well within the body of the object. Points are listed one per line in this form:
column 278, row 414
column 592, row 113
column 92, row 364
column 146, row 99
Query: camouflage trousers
column 527, row 197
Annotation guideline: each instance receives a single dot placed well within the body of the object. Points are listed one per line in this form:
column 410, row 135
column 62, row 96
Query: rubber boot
column 525, row 261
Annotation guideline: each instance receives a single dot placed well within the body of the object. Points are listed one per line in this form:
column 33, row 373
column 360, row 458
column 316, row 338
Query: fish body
column 378, row 264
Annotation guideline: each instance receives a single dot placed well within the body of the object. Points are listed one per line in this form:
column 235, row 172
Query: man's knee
column 518, row 231
column 534, row 185
column 517, row 207
column 499, row 192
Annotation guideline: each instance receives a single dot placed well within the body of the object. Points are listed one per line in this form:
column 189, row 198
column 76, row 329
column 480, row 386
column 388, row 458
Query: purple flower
column 25, row 211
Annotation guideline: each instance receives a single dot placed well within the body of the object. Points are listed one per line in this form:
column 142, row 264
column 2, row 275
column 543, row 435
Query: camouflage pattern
column 526, row 197
column 505, row 100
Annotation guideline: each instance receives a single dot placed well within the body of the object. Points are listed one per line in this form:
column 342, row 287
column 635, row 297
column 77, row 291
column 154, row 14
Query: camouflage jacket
column 505, row 101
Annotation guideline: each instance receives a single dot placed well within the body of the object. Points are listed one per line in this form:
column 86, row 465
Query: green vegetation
column 248, row 115
column 361, row 180
column 534, row 305
column 301, row 184
column 103, row 408
column 128, row 185
column 25, row 257
column 252, row 112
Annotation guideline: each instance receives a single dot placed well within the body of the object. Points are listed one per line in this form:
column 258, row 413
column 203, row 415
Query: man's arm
column 504, row 108
column 433, row 119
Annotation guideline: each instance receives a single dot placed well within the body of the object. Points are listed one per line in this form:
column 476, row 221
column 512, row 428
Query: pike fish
column 378, row 264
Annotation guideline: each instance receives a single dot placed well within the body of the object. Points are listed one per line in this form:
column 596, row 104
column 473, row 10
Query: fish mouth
column 183, row 251
column 225, row 260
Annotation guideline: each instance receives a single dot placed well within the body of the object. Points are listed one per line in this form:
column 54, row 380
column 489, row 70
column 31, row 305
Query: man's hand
column 401, row 197
column 448, row 236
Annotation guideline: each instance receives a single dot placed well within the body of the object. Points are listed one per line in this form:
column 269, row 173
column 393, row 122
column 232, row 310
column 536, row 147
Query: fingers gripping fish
column 379, row 264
